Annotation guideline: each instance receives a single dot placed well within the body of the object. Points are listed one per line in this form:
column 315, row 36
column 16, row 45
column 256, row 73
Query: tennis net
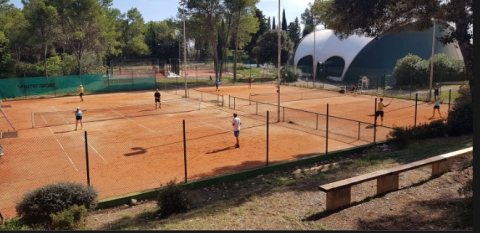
column 55, row 118
column 270, row 97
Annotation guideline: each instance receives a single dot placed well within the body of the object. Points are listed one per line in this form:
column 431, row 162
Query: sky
column 158, row 10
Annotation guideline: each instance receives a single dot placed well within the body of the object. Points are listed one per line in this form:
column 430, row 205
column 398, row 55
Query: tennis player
column 379, row 111
column 78, row 117
column 158, row 102
column 236, row 122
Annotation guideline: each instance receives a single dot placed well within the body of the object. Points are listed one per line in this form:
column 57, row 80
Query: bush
column 36, row 206
column 460, row 119
column 411, row 71
column 14, row 224
column 400, row 136
column 290, row 74
column 464, row 94
column 73, row 218
column 172, row 198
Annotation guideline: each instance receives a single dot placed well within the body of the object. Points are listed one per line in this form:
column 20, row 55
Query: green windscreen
column 36, row 87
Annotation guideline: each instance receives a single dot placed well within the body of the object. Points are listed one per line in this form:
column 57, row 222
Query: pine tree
column 284, row 21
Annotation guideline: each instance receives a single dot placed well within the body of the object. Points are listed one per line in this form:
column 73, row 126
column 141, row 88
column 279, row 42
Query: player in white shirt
column 236, row 122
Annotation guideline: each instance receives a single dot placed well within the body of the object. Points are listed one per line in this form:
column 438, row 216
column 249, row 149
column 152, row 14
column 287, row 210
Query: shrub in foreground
column 172, row 198
column 37, row 206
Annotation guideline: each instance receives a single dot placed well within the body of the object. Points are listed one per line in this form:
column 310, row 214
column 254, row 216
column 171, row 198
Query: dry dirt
column 294, row 203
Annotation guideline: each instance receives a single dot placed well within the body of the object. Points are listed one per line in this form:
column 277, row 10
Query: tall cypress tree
column 284, row 21
column 273, row 24
column 269, row 25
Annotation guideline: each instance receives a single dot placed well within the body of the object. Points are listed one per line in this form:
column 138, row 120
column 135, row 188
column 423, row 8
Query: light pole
column 279, row 57
column 431, row 62
column 183, row 2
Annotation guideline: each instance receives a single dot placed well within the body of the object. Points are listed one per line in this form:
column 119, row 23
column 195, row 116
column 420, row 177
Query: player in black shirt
column 158, row 103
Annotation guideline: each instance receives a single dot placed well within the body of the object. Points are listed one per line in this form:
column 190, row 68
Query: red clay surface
column 145, row 149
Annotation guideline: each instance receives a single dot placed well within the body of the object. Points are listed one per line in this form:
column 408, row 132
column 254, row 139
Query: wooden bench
column 339, row 192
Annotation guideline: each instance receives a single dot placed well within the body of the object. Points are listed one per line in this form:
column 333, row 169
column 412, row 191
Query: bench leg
column 338, row 198
column 440, row 167
column 387, row 183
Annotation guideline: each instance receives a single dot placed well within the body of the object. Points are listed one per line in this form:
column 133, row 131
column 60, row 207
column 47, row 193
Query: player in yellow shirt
column 81, row 90
column 379, row 111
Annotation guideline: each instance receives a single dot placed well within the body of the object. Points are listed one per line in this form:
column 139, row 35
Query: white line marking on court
column 141, row 125
column 65, row 152
column 99, row 155
column 68, row 123
column 212, row 125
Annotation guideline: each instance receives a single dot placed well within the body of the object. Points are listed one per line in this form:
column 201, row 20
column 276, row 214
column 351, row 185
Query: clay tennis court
column 133, row 147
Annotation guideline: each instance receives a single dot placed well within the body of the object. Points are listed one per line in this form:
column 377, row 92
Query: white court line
column 141, row 125
column 68, row 123
column 65, row 152
column 99, row 155
column 133, row 121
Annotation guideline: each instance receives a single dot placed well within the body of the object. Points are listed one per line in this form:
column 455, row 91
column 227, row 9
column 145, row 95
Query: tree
column 294, row 32
column 133, row 38
column 6, row 63
column 307, row 21
column 243, row 22
column 267, row 48
column 284, row 21
column 160, row 39
column 269, row 25
column 42, row 26
column 273, row 23
column 263, row 26
column 82, row 25
column 373, row 18
column 319, row 11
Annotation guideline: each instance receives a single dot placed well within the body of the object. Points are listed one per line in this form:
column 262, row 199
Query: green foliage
column 7, row 64
column 14, row 224
column 172, row 198
column 411, row 71
column 73, row 218
column 266, row 50
column 23, row 69
column 37, row 205
column 464, row 94
column 401, row 136
column 460, row 119
column 290, row 74
column 445, row 69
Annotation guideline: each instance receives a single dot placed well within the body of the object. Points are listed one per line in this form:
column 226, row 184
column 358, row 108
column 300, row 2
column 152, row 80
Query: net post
column 201, row 96
column 256, row 108
column 283, row 117
column 316, row 127
column 223, row 101
column 228, row 101
column 249, row 98
column 234, row 103
column 33, row 120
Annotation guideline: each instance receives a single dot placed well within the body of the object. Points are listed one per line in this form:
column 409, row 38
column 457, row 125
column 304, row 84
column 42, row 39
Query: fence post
column 317, row 122
column 416, row 103
column 86, row 155
column 234, row 103
column 201, row 96
column 358, row 131
column 449, row 100
column 375, row 123
column 283, row 119
column 256, row 108
column 184, row 151
column 223, row 103
column 268, row 117
column 326, row 133
column 228, row 101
